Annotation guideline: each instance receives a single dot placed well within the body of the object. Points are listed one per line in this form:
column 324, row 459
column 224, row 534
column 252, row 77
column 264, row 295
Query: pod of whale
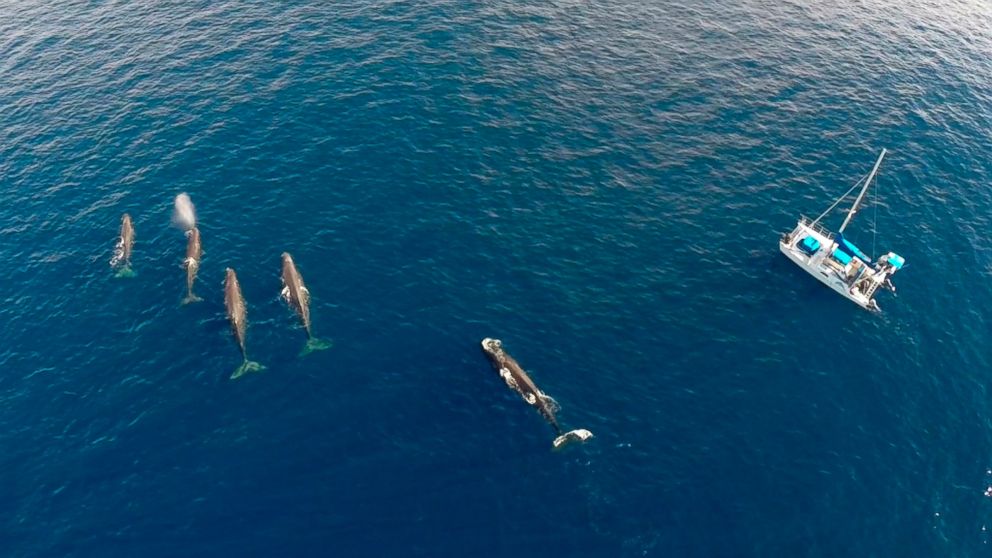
column 297, row 296
column 520, row 382
column 295, row 293
column 237, row 313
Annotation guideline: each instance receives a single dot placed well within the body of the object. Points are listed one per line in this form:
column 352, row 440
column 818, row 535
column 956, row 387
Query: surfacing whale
column 296, row 294
column 122, row 252
column 237, row 313
column 194, row 251
column 520, row 381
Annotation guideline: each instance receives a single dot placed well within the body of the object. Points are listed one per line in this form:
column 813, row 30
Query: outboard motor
column 890, row 263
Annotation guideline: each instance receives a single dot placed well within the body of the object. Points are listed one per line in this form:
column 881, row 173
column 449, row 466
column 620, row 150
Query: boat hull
column 813, row 264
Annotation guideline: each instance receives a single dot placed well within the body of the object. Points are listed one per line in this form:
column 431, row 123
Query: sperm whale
column 194, row 251
column 237, row 313
column 518, row 380
column 296, row 294
column 122, row 252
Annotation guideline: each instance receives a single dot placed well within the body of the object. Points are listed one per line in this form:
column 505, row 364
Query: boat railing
column 806, row 221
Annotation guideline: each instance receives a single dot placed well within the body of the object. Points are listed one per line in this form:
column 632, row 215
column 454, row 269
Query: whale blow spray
column 183, row 213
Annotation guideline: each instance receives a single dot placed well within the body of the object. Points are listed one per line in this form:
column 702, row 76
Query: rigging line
column 874, row 222
column 840, row 199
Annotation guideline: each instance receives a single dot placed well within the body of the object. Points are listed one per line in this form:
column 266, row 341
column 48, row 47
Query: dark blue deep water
column 600, row 184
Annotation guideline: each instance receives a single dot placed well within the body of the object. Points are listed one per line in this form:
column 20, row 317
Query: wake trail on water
column 183, row 212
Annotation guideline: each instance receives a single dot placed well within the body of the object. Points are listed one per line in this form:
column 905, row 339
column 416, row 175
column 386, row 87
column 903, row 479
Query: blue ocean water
column 600, row 185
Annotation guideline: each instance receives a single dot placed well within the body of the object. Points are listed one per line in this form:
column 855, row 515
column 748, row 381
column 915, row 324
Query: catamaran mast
column 857, row 202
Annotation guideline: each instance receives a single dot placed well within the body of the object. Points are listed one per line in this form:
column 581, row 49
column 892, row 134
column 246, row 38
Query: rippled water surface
column 600, row 184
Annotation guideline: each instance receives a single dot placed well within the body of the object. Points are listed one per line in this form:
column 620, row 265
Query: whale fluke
column 125, row 272
column 314, row 344
column 246, row 367
column 577, row 435
column 189, row 299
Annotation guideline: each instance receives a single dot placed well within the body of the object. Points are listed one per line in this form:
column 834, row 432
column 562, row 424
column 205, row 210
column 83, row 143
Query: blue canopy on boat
column 848, row 248
column 842, row 257
column 809, row 245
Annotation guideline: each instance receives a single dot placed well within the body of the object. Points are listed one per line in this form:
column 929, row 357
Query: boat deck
column 852, row 279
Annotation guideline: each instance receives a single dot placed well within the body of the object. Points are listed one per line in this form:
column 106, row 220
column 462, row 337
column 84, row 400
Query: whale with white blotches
column 519, row 381
column 194, row 251
column 122, row 252
column 296, row 294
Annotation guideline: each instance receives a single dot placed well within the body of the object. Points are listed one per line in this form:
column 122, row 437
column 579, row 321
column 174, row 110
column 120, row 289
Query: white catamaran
column 835, row 261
